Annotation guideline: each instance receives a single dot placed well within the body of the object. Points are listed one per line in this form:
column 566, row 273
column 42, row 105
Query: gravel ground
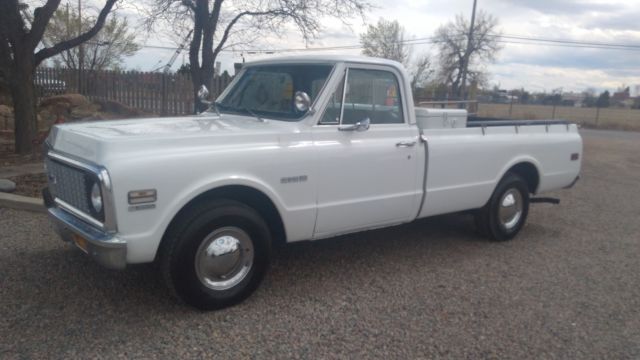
column 566, row 287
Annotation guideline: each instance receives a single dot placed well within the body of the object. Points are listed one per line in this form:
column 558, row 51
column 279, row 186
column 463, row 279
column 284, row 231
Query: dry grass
column 609, row 118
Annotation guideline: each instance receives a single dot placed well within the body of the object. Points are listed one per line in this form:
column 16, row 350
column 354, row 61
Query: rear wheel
column 216, row 254
column 506, row 212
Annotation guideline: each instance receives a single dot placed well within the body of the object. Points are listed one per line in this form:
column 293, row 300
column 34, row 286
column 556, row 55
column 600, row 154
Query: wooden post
column 597, row 115
column 553, row 114
column 163, row 105
column 511, row 108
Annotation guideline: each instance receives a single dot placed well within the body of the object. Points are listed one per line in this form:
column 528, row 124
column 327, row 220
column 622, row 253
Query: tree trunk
column 24, row 104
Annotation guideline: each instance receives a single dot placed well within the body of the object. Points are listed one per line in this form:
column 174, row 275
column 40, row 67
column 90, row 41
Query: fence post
column 112, row 79
column 163, row 106
column 511, row 108
column 553, row 114
column 597, row 115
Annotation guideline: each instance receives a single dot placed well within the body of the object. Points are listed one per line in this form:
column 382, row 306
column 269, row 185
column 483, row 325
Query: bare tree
column 21, row 52
column 451, row 40
column 421, row 71
column 105, row 50
column 220, row 23
column 387, row 40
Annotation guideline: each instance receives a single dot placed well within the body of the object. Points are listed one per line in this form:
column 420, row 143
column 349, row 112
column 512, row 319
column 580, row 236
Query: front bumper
column 105, row 248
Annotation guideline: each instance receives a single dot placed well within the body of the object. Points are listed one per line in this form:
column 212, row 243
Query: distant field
column 610, row 118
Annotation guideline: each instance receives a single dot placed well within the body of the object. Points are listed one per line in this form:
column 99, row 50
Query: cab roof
column 310, row 59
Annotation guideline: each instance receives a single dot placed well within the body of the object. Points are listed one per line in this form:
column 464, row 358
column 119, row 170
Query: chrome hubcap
column 510, row 210
column 224, row 258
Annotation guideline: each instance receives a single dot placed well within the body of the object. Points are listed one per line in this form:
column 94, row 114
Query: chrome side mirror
column 203, row 93
column 302, row 101
column 359, row 126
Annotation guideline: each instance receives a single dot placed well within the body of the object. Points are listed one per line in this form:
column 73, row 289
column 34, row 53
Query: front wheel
column 216, row 254
column 506, row 212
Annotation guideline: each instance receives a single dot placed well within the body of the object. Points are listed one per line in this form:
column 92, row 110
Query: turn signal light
column 142, row 196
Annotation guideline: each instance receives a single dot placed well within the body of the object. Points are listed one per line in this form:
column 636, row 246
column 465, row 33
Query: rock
column 116, row 108
column 6, row 118
column 84, row 111
column 6, row 111
column 73, row 100
column 7, row 186
column 56, row 109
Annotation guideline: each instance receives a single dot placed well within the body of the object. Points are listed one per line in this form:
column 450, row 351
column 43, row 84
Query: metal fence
column 151, row 92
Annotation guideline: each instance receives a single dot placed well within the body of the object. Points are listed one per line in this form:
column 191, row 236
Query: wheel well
column 248, row 196
column 529, row 173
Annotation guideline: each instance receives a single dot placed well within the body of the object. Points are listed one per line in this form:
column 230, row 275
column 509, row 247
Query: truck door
column 365, row 154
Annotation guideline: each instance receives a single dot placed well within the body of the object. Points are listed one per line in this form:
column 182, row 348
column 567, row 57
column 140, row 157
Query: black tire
column 177, row 258
column 487, row 218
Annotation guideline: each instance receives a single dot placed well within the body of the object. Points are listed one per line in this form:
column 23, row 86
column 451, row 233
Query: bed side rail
column 490, row 123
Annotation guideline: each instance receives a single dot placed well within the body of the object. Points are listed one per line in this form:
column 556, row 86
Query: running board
column 547, row 200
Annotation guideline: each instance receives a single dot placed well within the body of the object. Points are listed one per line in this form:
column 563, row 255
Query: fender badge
column 142, row 207
column 293, row 179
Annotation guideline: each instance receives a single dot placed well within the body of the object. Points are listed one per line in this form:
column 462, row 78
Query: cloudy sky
column 535, row 68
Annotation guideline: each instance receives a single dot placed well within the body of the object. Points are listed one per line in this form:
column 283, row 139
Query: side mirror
column 302, row 101
column 359, row 126
column 203, row 94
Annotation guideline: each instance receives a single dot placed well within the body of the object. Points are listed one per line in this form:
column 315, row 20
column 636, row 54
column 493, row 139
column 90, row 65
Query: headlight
column 96, row 198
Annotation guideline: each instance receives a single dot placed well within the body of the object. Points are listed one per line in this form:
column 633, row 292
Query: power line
column 506, row 39
column 563, row 41
column 566, row 45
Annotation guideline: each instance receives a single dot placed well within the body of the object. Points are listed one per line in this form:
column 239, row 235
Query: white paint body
column 355, row 180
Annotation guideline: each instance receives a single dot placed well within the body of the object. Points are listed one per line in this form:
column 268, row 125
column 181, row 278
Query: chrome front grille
column 68, row 184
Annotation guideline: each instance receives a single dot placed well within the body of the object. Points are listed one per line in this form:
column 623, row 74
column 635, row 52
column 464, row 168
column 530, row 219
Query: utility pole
column 465, row 66
column 80, row 49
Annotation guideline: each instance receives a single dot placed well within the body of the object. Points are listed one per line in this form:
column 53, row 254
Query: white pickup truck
column 299, row 148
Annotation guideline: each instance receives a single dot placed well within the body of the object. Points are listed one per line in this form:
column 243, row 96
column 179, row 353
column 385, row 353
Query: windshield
column 269, row 90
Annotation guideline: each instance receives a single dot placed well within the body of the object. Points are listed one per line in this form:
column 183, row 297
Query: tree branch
column 188, row 3
column 11, row 23
column 5, row 55
column 227, row 30
column 41, row 18
column 68, row 44
column 215, row 16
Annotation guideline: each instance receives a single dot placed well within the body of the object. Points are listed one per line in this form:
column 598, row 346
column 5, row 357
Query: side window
column 332, row 112
column 373, row 95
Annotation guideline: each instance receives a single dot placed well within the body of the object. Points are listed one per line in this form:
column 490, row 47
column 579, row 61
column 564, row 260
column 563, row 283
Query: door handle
column 359, row 126
column 405, row 144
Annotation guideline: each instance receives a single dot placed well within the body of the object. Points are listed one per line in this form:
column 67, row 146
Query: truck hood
column 95, row 141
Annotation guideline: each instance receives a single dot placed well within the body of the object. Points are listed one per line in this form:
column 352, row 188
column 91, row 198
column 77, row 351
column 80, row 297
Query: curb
column 20, row 202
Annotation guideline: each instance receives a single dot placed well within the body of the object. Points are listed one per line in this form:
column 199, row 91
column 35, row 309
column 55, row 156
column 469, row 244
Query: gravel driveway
column 567, row 287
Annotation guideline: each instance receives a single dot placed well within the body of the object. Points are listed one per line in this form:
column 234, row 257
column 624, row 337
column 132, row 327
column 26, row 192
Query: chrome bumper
column 106, row 249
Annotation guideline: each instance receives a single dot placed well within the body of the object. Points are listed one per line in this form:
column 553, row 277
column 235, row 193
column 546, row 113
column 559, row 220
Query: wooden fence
column 156, row 93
